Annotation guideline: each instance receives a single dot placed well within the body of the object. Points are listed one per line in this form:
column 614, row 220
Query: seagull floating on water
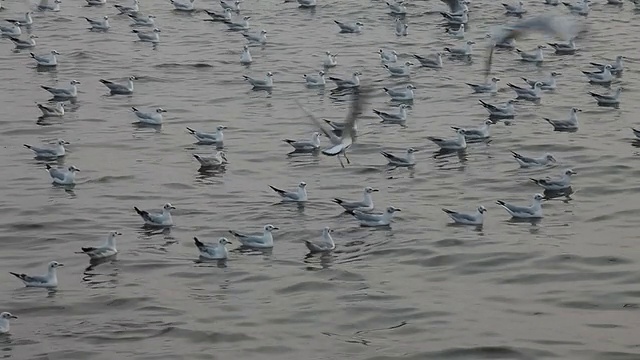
column 480, row 133
column 107, row 249
column 531, row 94
column 515, row 9
column 536, row 56
column 456, row 19
column 465, row 50
column 224, row 17
column 306, row 146
column 46, row 60
column 388, row 56
column 342, row 83
column 99, row 25
column 489, row 87
column 350, row 27
column 148, row 36
column 52, row 111
column 570, row 124
column 44, row 5
column 607, row 100
column 49, row 152
column 401, row 28
column 434, row 63
column 408, row 161
column 11, row 31
column 365, row 205
column 399, row 70
column 119, row 89
column 24, row 44
column 235, row 6
column 155, row 218
column 63, row 176
column 527, row 162
column 267, row 83
column 313, row 80
column 183, row 5
column 245, row 56
column 397, row 8
column 324, row 246
column 524, row 212
column 258, row 38
column 561, row 183
column 604, row 77
column 27, row 20
column 129, row 10
column 399, row 117
column 457, row 33
column 329, row 60
column 374, row 220
column 581, row 7
column 213, row 251
column 5, row 318
column 616, row 68
column 457, row 143
column 216, row 160
column 636, row 132
column 476, row 218
column 150, row 118
column 205, row 138
column 404, row 93
column 243, row 24
column 260, row 241
column 96, row 2
column 50, row 280
column 548, row 84
column 140, row 20
column 300, row 195
column 507, row 111
column 565, row 49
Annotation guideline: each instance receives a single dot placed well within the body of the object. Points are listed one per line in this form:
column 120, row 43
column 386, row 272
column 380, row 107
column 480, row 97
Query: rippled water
column 565, row 288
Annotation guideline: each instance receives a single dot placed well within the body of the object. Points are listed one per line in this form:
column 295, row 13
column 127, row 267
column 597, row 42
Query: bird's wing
column 57, row 174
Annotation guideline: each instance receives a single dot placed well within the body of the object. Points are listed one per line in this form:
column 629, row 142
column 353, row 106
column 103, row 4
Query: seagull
column 224, row 17
column 581, row 7
column 456, row 6
column 636, row 132
column 305, row 146
column 354, row 82
column 259, row 38
column 528, row 94
column 388, row 56
column 50, row 280
column 44, row 5
column 96, row 2
column 456, row 19
column 5, row 317
column 480, row 133
column 435, row 63
column 506, row 111
column 458, row 143
column 151, row 118
column 64, row 93
column 24, row 44
column 561, row 183
column 614, row 2
column 552, row 2
column 457, row 33
column 338, row 127
column 46, row 60
column 329, row 60
column 616, row 68
column 324, row 246
column 119, row 89
column 107, row 249
column 611, row 99
column 604, row 77
column 63, row 176
column 549, row 84
column 517, row 9
column 12, row 31
column 476, row 218
column 397, row 8
column 245, row 56
column 99, row 25
column 217, row 159
column 374, row 220
column 527, row 162
column 402, row 29
column 213, row 251
column 161, row 219
column 52, row 111
column 267, row 83
column 300, row 195
column 461, row 51
column 399, row 70
column 553, row 25
column 235, row 6
column 129, row 10
column 490, row 87
column 148, row 36
column 566, row 125
column 350, row 27
column 313, row 80
column 401, row 93
column 27, row 20
column 261, row 241
column 184, row 5
column 536, row 56
column 565, row 49
column 208, row 138
column 240, row 25
column 408, row 161
column 340, row 144
column 307, row 3
column 395, row 118
column 49, row 152
column 139, row 20
column 524, row 212
column 365, row 205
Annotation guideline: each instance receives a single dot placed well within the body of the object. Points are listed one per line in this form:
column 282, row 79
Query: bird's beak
column 60, row 264
column 276, row 228
column 375, row 190
column 67, row 143
column 13, row 317
column 398, row 209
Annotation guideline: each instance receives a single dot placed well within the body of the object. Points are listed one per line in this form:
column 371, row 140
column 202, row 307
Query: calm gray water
column 565, row 288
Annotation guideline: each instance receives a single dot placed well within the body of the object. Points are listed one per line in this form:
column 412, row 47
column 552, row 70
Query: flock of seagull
column 341, row 135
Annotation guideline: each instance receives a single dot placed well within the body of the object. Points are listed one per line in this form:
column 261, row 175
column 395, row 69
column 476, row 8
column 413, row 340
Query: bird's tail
column 338, row 201
column 27, row 146
column 134, row 109
column 190, row 130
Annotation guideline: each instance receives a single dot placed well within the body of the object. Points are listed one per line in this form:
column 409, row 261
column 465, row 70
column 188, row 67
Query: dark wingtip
column 48, row 166
column 337, row 201
column 198, row 242
column 500, row 202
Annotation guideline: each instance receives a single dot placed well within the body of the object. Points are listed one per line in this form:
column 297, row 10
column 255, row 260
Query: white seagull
column 129, row 10
column 139, row 20
column 267, row 83
column 306, row 145
column 489, row 87
column 107, row 249
column 548, row 84
column 347, row 83
column 119, row 89
column 299, row 195
column 479, row 133
column 388, row 56
column 239, row 25
column 162, row 219
column 99, row 25
column 151, row 118
column 205, row 138
column 49, row 152
column 63, row 176
column 476, row 218
column 604, row 77
column 434, row 63
column 607, row 99
column 404, row 93
column 350, row 27
column 457, row 143
column 329, row 60
column 213, row 251
column 374, row 220
column 5, row 319
column 616, row 68
column 258, row 38
column 365, row 205
column 465, row 50
column 570, row 124
column 260, row 241
column 561, row 183
column 312, row 80
column 50, row 280
column 531, row 94
column 408, row 161
column 152, row 36
column 52, row 111
column 527, row 162
column 324, row 246
column 399, row 70
column 64, row 93
column 399, row 117
column 217, row 159
column 507, row 111
column 46, row 60
column 532, row 211
column 24, row 44
column 536, row 56
column 183, row 5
